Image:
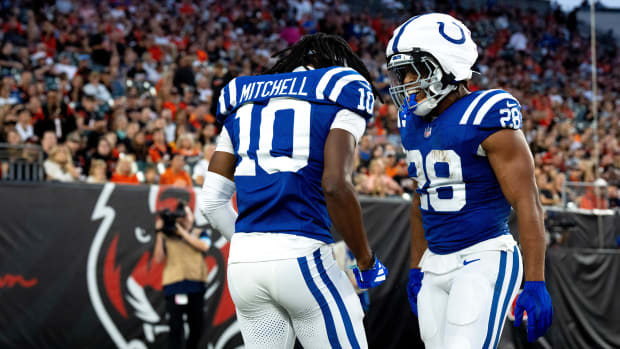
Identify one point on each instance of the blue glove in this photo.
(372, 277)
(413, 288)
(536, 301)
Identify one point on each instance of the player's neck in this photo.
(454, 96)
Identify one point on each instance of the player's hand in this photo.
(413, 288)
(159, 223)
(372, 277)
(536, 301)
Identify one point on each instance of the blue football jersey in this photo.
(460, 198)
(278, 125)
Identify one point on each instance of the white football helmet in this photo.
(438, 50)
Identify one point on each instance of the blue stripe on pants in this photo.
(327, 315)
(497, 291)
(341, 307)
(511, 285)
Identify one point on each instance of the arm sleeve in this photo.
(215, 203)
(224, 143)
(351, 122)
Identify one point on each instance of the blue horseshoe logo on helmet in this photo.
(454, 41)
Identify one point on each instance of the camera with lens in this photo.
(170, 219)
(558, 227)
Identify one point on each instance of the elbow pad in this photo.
(215, 203)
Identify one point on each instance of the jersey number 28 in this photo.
(437, 179)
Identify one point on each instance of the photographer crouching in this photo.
(185, 272)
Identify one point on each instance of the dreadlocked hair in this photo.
(320, 50)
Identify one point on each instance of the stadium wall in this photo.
(76, 272)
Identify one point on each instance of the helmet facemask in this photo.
(429, 78)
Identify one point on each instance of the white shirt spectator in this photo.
(25, 132)
(99, 91)
(518, 41)
(70, 70)
(56, 173)
(303, 7)
(200, 169)
(8, 100)
(169, 132)
(205, 94)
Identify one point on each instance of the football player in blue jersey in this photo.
(471, 163)
(287, 148)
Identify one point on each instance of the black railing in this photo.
(23, 163)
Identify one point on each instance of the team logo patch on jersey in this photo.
(427, 131)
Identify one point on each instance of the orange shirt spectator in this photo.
(159, 150)
(123, 173)
(119, 178)
(185, 146)
(175, 175)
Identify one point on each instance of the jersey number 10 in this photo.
(268, 162)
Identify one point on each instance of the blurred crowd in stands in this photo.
(125, 91)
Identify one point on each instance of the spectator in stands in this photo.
(139, 147)
(104, 152)
(176, 175)
(378, 183)
(86, 113)
(150, 175)
(364, 151)
(186, 146)
(95, 88)
(13, 137)
(24, 125)
(594, 197)
(59, 167)
(48, 141)
(66, 70)
(202, 166)
(75, 146)
(159, 150)
(97, 173)
(124, 171)
(56, 116)
(548, 195)
(613, 195)
(391, 162)
(209, 134)
(220, 78)
(6, 98)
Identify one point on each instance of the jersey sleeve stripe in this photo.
(482, 112)
(224, 142)
(320, 87)
(232, 87)
(221, 101)
(472, 106)
(343, 81)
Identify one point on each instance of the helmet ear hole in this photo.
(432, 103)
(437, 86)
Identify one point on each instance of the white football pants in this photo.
(308, 297)
(465, 308)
